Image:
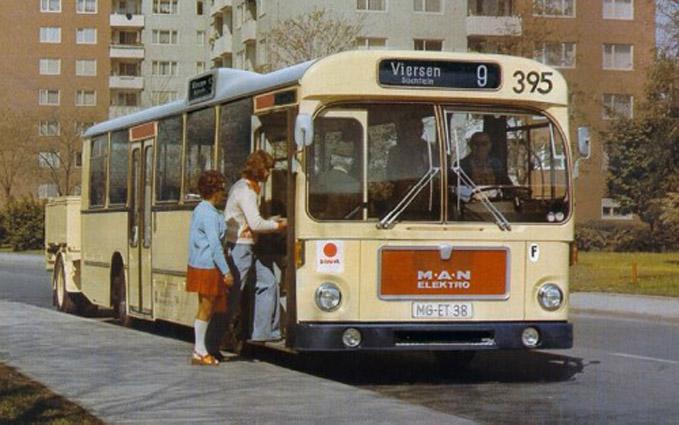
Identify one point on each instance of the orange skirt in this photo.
(205, 281)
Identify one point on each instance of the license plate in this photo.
(442, 311)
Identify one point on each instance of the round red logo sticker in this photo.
(330, 250)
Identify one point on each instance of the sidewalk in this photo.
(125, 376)
(632, 306)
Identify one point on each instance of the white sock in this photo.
(200, 328)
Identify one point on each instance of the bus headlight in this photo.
(550, 296)
(328, 297)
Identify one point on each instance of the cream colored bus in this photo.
(429, 196)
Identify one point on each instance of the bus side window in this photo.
(98, 158)
(234, 138)
(200, 140)
(117, 191)
(168, 159)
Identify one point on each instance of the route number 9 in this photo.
(534, 81)
(482, 75)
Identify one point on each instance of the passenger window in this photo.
(98, 157)
(200, 141)
(234, 143)
(118, 170)
(168, 162)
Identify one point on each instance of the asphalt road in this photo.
(620, 371)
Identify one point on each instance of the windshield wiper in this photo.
(500, 219)
(388, 221)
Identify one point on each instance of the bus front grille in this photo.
(449, 338)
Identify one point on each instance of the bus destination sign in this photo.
(202, 88)
(439, 74)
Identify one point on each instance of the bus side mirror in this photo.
(584, 143)
(304, 131)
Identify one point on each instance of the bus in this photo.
(429, 197)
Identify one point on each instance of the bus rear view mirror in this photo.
(584, 143)
(304, 131)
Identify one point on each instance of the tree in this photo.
(310, 36)
(668, 23)
(644, 151)
(18, 135)
(60, 155)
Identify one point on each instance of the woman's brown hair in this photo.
(256, 166)
(209, 182)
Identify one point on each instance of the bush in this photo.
(622, 237)
(24, 222)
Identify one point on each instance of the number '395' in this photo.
(533, 81)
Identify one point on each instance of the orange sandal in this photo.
(206, 360)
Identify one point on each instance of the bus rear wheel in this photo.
(63, 300)
(120, 300)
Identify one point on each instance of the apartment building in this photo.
(240, 27)
(602, 47)
(54, 66)
(156, 46)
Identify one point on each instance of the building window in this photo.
(86, 6)
(50, 5)
(367, 43)
(86, 67)
(431, 45)
(126, 99)
(618, 105)
(85, 98)
(618, 9)
(374, 5)
(490, 8)
(50, 66)
(200, 38)
(164, 68)
(561, 55)
(86, 36)
(81, 127)
(429, 6)
(199, 7)
(128, 69)
(50, 35)
(618, 56)
(49, 160)
(164, 37)
(554, 8)
(48, 97)
(48, 190)
(49, 128)
(610, 210)
(200, 67)
(161, 97)
(165, 7)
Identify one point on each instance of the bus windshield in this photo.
(386, 163)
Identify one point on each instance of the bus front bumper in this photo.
(432, 336)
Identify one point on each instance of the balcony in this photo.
(219, 6)
(127, 21)
(493, 26)
(119, 111)
(248, 32)
(126, 82)
(126, 51)
(222, 47)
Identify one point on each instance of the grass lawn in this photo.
(23, 401)
(658, 274)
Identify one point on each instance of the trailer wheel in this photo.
(120, 300)
(63, 300)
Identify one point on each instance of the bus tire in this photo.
(120, 300)
(451, 360)
(63, 300)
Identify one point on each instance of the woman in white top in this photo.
(244, 222)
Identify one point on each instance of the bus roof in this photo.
(231, 84)
(355, 74)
